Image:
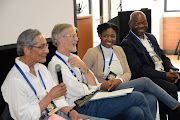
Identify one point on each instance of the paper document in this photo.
(103, 95)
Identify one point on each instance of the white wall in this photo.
(157, 20)
(19, 15)
(171, 14)
(96, 21)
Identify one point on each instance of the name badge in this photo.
(156, 59)
(111, 76)
(51, 108)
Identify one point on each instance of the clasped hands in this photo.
(172, 76)
(110, 84)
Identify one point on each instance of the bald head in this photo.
(136, 15)
(138, 23)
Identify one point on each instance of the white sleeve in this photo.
(20, 108)
(97, 83)
(74, 88)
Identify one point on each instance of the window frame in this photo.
(165, 8)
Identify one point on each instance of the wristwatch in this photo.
(86, 71)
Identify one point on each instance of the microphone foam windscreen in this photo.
(58, 67)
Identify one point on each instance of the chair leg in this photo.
(178, 52)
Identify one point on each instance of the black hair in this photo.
(104, 26)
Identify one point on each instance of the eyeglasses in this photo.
(42, 47)
(72, 36)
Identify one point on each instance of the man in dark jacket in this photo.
(146, 59)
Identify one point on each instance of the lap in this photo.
(137, 84)
(105, 108)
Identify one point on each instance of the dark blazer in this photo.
(139, 60)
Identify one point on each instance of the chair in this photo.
(6, 115)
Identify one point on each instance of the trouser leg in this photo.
(171, 89)
(145, 85)
(152, 102)
(138, 114)
(112, 107)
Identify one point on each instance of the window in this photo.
(172, 6)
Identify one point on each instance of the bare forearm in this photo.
(45, 102)
(65, 110)
(73, 114)
(90, 78)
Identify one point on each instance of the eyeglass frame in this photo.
(42, 46)
(72, 36)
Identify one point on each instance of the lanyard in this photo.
(68, 66)
(104, 58)
(140, 40)
(22, 73)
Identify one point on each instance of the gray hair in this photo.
(135, 13)
(26, 38)
(59, 29)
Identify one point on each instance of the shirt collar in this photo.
(105, 50)
(64, 56)
(25, 67)
(145, 37)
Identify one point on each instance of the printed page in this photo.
(103, 95)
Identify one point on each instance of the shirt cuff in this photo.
(60, 102)
(118, 77)
(97, 87)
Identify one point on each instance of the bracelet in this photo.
(69, 112)
(86, 71)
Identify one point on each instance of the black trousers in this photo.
(172, 90)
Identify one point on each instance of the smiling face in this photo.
(138, 24)
(39, 51)
(108, 37)
(68, 42)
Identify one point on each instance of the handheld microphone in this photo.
(59, 74)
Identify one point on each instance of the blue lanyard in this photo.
(68, 66)
(140, 40)
(104, 58)
(22, 73)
